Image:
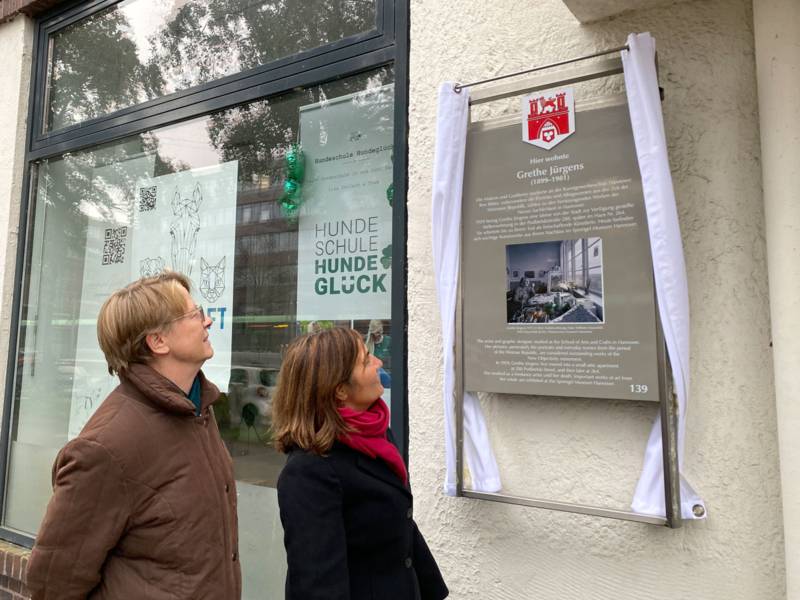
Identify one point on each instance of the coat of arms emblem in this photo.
(548, 117)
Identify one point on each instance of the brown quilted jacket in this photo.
(144, 503)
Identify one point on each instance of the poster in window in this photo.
(558, 295)
(183, 221)
(345, 223)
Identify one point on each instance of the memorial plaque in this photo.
(557, 280)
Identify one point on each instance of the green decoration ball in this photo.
(290, 189)
(386, 259)
(390, 194)
(295, 163)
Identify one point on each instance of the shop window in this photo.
(205, 98)
(104, 215)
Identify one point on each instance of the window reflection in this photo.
(139, 50)
(60, 370)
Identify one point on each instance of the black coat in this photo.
(349, 532)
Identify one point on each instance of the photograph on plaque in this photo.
(557, 282)
(556, 273)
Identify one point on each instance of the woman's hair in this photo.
(136, 310)
(304, 405)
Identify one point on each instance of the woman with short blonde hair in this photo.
(144, 501)
(132, 312)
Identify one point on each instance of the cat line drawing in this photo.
(212, 279)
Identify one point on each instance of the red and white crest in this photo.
(548, 117)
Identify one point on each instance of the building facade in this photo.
(103, 98)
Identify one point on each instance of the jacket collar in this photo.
(378, 469)
(164, 393)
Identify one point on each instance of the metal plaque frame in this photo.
(667, 399)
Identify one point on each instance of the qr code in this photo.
(114, 246)
(147, 198)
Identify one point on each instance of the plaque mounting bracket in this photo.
(460, 86)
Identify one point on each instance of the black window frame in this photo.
(387, 44)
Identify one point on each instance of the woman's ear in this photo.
(156, 343)
(342, 392)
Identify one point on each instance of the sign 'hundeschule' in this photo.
(345, 225)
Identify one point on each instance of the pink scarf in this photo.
(369, 436)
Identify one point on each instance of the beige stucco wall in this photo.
(16, 43)
(777, 40)
(591, 451)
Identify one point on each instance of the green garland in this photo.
(292, 198)
(390, 189)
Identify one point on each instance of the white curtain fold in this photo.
(448, 179)
(669, 268)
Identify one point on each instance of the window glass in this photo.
(209, 197)
(138, 50)
(595, 268)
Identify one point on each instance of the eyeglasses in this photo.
(197, 310)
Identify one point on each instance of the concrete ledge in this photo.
(11, 8)
(594, 10)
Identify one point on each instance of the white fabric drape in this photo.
(669, 268)
(448, 179)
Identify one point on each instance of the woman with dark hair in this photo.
(344, 499)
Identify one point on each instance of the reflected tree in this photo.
(103, 63)
(209, 39)
(95, 69)
(258, 134)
